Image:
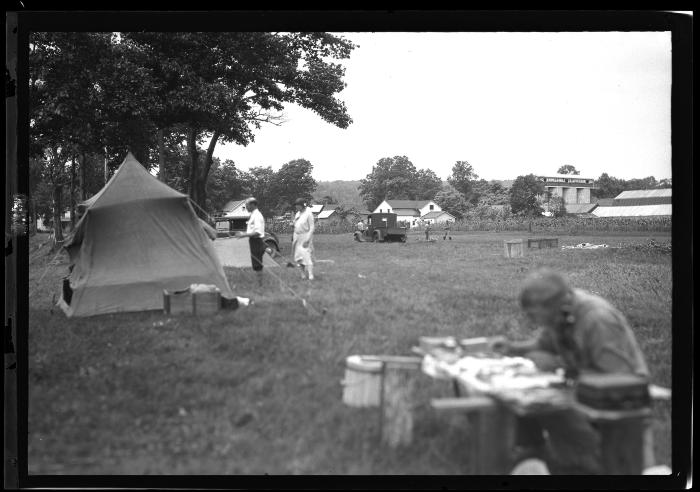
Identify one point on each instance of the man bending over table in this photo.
(582, 333)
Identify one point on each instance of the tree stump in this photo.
(513, 248)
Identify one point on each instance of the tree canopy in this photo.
(462, 179)
(567, 169)
(397, 178)
(524, 193)
(108, 93)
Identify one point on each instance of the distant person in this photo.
(427, 231)
(302, 239)
(581, 333)
(448, 231)
(360, 231)
(255, 231)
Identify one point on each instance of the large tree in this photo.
(225, 184)
(222, 86)
(292, 181)
(524, 193)
(108, 93)
(397, 178)
(452, 201)
(463, 178)
(608, 186)
(489, 193)
(427, 184)
(567, 169)
(260, 182)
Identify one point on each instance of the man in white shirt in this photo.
(255, 231)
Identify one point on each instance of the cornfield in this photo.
(547, 225)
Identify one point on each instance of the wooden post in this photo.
(513, 249)
(397, 403)
(491, 432)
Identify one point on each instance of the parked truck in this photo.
(382, 227)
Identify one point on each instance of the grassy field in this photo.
(257, 390)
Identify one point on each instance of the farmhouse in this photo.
(436, 217)
(574, 189)
(410, 211)
(638, 203)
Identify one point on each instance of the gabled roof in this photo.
(605, 202)
(406, 211)
(233, 205)
(435, 214)
(408, 203)
(233, 210)
(316, 208)
(663, 192)
(330, 206)
(324, 214)
(635, 211)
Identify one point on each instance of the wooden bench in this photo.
(492, 433)
(542, 242)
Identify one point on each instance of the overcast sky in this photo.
(509, 103)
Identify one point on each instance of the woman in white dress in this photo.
(302, 242)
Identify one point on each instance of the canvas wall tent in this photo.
(137, 237)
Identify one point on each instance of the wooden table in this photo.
(492, 422)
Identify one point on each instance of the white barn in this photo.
(638, 203)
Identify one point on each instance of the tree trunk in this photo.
(204, 175)
(57, 209)
(83, 177)
(34, 215)
(161, 156)
(193, 187)
(71, 199)
(106, 167)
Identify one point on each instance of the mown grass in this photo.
(257, 390)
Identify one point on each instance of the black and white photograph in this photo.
(367, 249)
